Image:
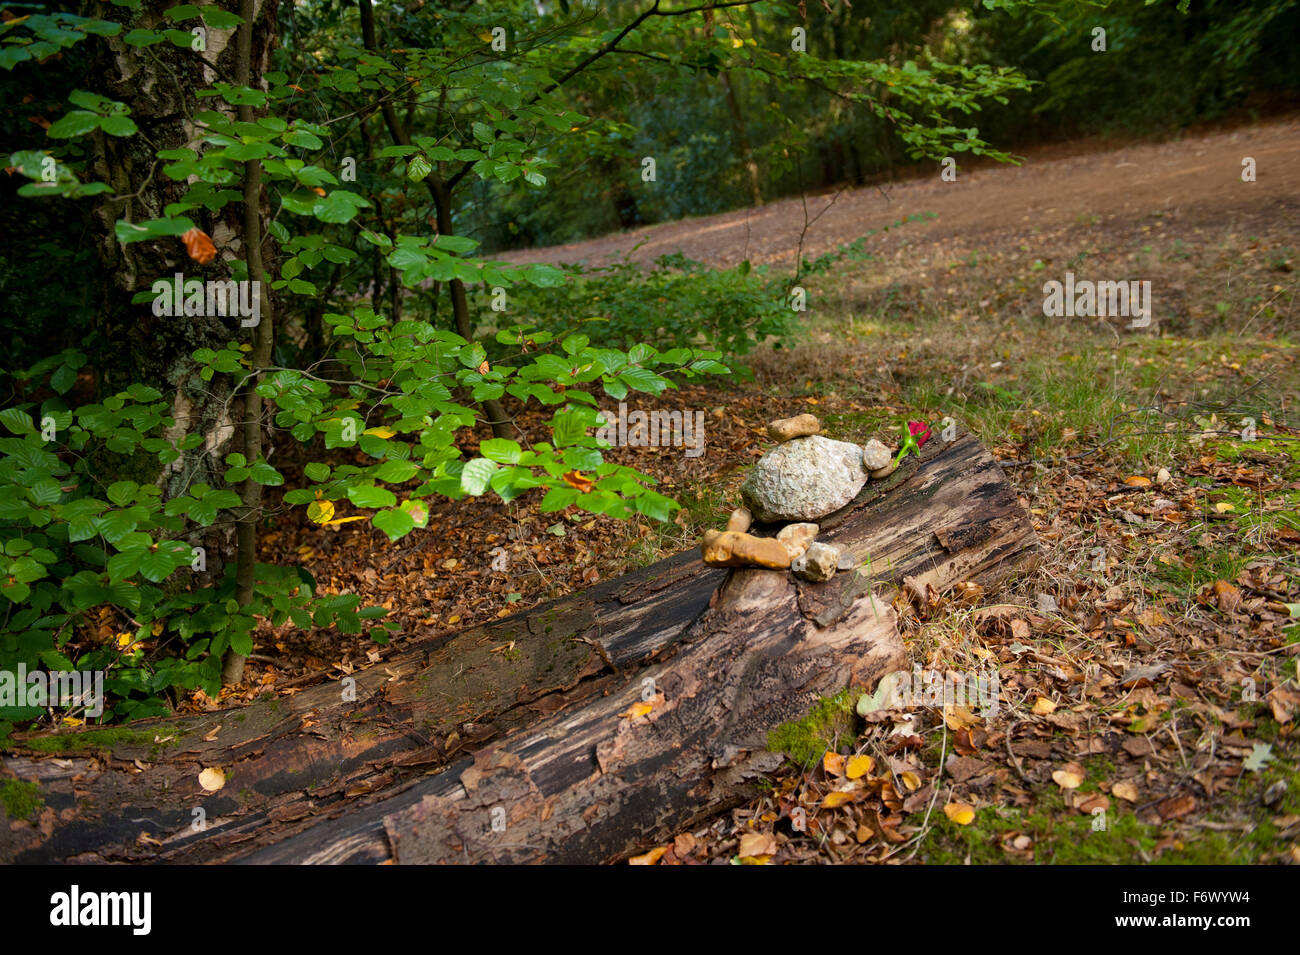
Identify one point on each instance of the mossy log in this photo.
(456, 750)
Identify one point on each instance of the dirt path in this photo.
(1194, 178)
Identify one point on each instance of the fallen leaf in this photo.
(859, 766)
(1137, 480)
(1176, 806)
(650, 858)
(1095, 801)
(959, 718)
(1125, 790)
(1261, 754)
(754, 844)
(833, 764)
(640, 708)
(1227, 596)
(959, 813)
(1043, 706)
(835, 799)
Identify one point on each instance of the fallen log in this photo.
(321, 777)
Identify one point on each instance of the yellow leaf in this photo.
(640, 708)
(911, 781)
(320, 511)
(859, 766)
(1223, 507)
(345, 520)
(835, 799)
(959, 718)
(959, 813)
(1043, 706)
(650, 858)
(380, 432)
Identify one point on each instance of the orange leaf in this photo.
(318, 190)
(650, 858)
(836, 799)
(833, 763)
(483, 368)
(199, 246)
(575, 480)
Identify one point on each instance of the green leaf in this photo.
(264, 474)
(395, 472)
(153, 229)
(501, 450)
(395, 523)
(118, 125)
(77, 123)
(418, 168)
(339, 206)
(367, 495)
(477, 474)
(122, 493)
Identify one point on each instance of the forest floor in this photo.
(1147, 667)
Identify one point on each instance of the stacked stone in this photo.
(805, 477)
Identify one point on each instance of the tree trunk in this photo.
(159, 83)
(332, 775)
(248, 72)
(742, 141)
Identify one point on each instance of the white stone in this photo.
(804, 479)
(875, 455)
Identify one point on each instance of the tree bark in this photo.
(248, 72)
(159, 84)
(329, 776)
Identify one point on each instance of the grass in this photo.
(1084, 399)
